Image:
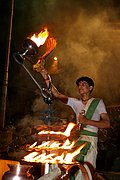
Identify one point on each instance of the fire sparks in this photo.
(41, 37)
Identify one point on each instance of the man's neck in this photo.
(85, 98)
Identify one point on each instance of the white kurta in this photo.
(78, 107)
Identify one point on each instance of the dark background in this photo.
(88, 43)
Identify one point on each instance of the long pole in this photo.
(5, 80)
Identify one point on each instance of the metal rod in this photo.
(45, 92)
(46, 95)
(32, 76)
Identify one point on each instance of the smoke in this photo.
(92, 50)
(88, 43)
(90, 46)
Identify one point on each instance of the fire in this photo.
(54, 152)
(70, 156)
(66, 133)
(30, 156)
(68, 145)
(69, 128)
(51, 145)
(41, 37)
(63, 158)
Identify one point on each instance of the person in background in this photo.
(90, 113)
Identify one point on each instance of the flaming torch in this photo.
(31, 45)
(31, 48)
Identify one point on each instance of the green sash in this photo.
(89, 114)
(82, 154)
(92, 108)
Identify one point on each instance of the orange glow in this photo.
(54, 152)
(66, 133)
(52, 145)
(70, 156)
(55, 58)
(41, 37)
(69, 128)
(30, 156)
(68, 144)
(63, 158)
(33, 145)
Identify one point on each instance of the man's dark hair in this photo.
(86, 79)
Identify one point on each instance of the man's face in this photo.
(84, 87)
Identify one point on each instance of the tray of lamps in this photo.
(56, 132)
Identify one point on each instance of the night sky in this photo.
(88, 43)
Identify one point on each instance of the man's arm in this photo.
(103, 123)
(54, 90)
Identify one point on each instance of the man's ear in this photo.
(91, 88)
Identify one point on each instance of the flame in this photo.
(63, 158)
(30, 156)
(70, 156)
(51, 145)
(33, 145)
(41, 37)
(54, 152)
(68, 145)
(66, 133)
(69, 128)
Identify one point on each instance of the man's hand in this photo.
(82, 119)
(39, 65)
(45, 74)
(50, 45)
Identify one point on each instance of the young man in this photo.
(90, 113)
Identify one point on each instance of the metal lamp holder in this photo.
(31, 49)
